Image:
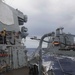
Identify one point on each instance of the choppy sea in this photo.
(30, 50)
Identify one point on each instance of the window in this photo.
(20, 21)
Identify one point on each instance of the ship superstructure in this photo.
(58, 57)
(12, 50)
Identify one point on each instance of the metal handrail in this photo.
(40, 51)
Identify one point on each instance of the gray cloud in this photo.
(46, 15)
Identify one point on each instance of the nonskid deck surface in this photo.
(22, 71)
(62, 66)
(66, 66)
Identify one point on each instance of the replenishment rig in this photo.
(58, 58)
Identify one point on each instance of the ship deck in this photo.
(21, 71)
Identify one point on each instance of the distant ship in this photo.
(58, 57)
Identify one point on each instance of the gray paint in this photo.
(15, 26)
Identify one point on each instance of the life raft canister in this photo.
(56, 43)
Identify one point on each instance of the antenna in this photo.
(61, 28)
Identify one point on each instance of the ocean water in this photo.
(31, 50)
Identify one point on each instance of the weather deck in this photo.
(22, 71)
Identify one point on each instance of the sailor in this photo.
(3, 33)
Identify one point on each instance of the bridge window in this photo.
(20, 21)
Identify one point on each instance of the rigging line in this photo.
(60, 65)
(62, 68)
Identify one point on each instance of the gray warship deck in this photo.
(21, 71)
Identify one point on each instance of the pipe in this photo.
(39, 40)
(40, 51)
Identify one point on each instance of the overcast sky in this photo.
(45, 16)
